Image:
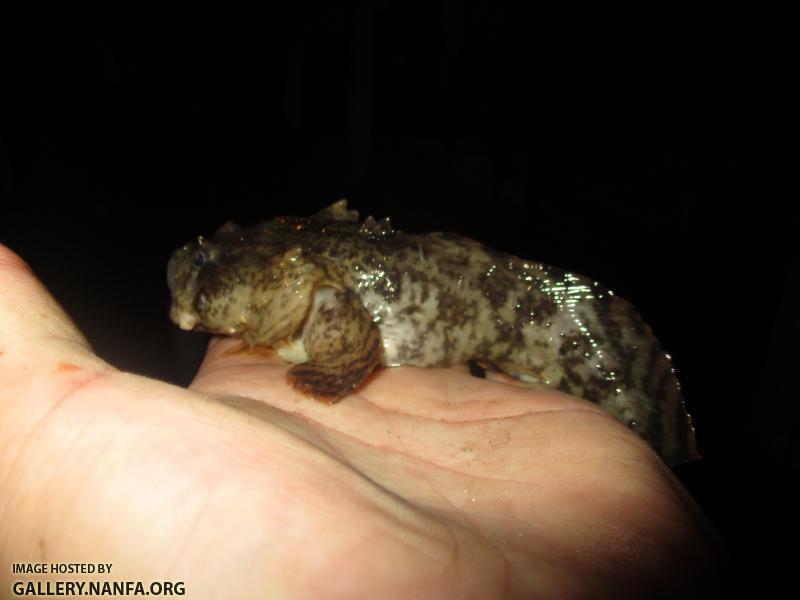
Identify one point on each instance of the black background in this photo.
(634, 146)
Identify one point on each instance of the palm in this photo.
(438, 481)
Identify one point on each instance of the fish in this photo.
(338, 297)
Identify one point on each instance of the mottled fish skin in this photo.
(436, 299)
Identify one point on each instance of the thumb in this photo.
(35, 332)
(43, 357)
(42, 354)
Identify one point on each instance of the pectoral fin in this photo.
(343, 345)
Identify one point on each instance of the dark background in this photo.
(633, 146)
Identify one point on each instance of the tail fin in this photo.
(621, 366)
(644, 393)
(663, 419)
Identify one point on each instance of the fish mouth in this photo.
(187, 321)
(183, 319)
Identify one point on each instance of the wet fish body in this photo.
(338, 297)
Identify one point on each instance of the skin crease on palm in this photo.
(427, 483)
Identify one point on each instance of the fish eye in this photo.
(199, 259)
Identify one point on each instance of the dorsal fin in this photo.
(337, 212)
(383, 228)
(228, 227)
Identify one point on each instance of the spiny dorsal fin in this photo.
(383, 228)
(337, 212)
(228, 227)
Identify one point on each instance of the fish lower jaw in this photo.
(187, 321)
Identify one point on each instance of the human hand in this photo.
(427, 483)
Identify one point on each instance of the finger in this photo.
(222, 348)
(450, 394)
(230, 359)
(453, 394)
(231, 368)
